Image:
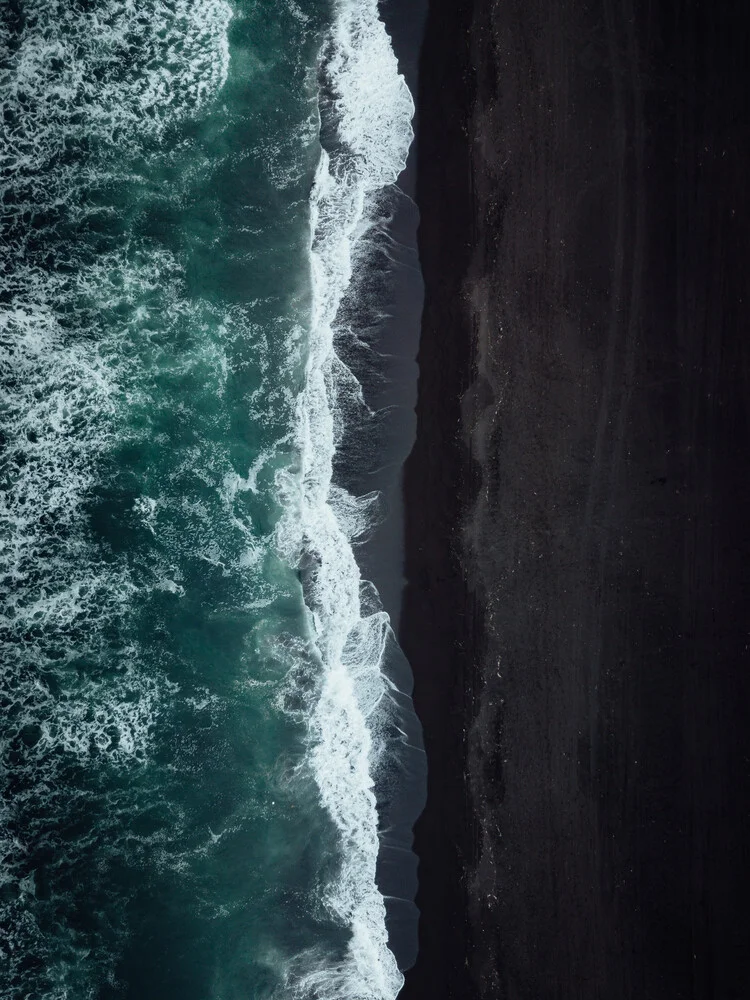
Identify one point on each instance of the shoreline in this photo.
(390, 312)
(576, 529)
(393, 392)
(359, 730)
(435, 628)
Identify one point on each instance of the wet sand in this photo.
(577, 611)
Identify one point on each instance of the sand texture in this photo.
(577, 612)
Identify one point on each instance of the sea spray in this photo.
(366, 111)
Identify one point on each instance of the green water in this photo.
(162, 832)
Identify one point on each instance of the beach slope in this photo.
(577, 613)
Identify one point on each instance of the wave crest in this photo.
(366, 111)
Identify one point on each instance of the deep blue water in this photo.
(194, 715)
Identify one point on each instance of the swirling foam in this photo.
(367, 107)
(86, 89)
(86, 86)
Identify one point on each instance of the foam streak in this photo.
(368, 107)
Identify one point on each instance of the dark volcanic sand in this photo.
(577, 613)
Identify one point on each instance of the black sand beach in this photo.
(577, 611)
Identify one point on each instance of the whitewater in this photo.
(368, 110)
(169, 497)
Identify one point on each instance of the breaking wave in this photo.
(365, 114)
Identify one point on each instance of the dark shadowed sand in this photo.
(577, 612)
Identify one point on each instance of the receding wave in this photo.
(366, 111)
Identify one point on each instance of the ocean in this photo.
(204, 746)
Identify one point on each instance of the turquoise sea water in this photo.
(193, 709)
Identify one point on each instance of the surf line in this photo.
(365, 111)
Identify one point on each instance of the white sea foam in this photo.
(366, 105)
(83, 86)
(104, 81)
(117, 71)
(60, 595)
